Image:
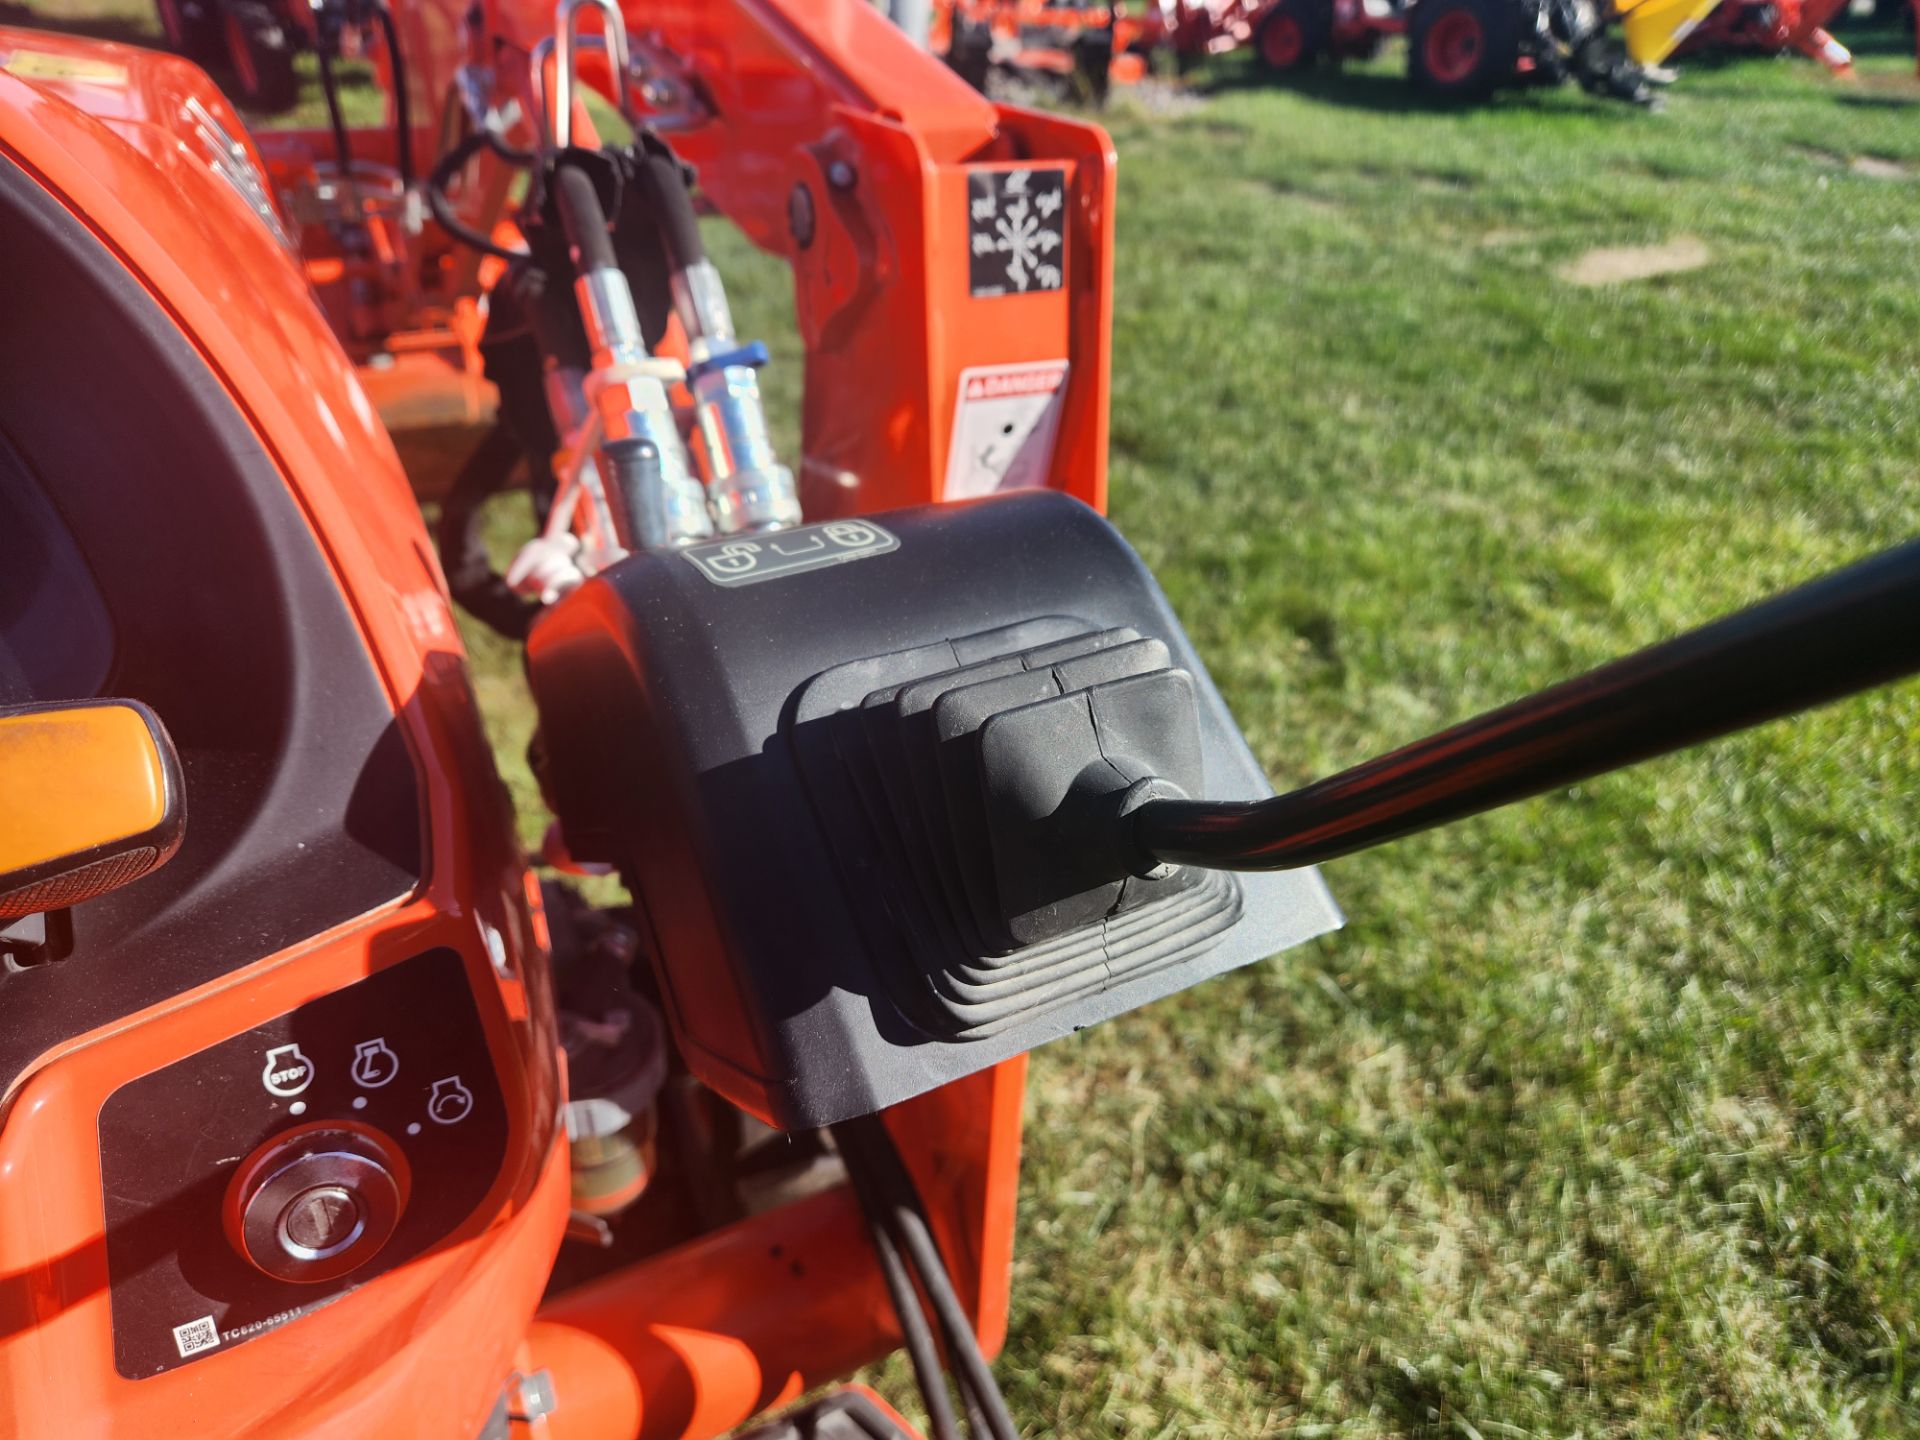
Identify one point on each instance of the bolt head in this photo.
(800, 216)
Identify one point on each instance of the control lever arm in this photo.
(1849, 631)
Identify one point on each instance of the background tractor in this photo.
(1467, 49)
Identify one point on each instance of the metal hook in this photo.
(566, 18)
(537, 78)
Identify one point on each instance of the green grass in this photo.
(1600, 1117)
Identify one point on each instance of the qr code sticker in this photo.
(196, 1335)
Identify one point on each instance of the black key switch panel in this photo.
(329, 1145)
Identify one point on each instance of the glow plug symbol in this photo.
(374, 1064)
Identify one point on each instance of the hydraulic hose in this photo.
(584, 219)
(749, 489)
(698, 293)
(450, 165)
(886, 1192)
(476, 586)
(497, 143)
(336, 118)
(402, 106)
(666, 192)
(1846, 632)
(921, 1351)
(653, 494)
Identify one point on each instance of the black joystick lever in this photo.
(1852, 630)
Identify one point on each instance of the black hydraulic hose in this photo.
(869, 1151)
(910, 1230)
(402, 105)
(342, 147)
(476, 586)
(921, 1352)
(665, 187)
(450, 165)
(497, 143)
(583, 218)
(1848, 631)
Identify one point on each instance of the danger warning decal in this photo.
(1016, 231)
(1004, 427)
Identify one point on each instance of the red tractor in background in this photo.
(1456, 49)
(1774, 26)
(1465, 49)
(253, 41)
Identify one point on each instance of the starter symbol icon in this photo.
(451, 1101)
(374, 1064)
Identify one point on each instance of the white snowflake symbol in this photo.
(1021, 238)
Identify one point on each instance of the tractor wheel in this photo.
(192, 28)
(1462, 49)
(1292, 36)
(260, 50)
(970, 52)
(1093, 66)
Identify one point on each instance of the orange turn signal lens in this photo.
(89, 800)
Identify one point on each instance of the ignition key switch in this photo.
(317, 1202)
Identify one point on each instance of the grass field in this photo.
(1600, 1118)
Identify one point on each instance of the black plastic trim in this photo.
(305, 807)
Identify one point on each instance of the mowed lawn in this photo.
(1600, 1117)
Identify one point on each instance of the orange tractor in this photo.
(321, 1113)
(1085, 46)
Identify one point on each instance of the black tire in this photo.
(970, 52)
(260, 48)
(1462, 50)
(1292, 36)
(1093, 65)
(192, 28)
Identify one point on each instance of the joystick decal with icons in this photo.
(735, 562)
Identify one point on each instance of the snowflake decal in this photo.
(1016, 231)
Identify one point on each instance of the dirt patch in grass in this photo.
(1618, 265)
(1884, 89)
(1876, 167)
(1504, 239)
(1873, 167)
(1828, 159)
(1291, 194)
(1156, 95)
